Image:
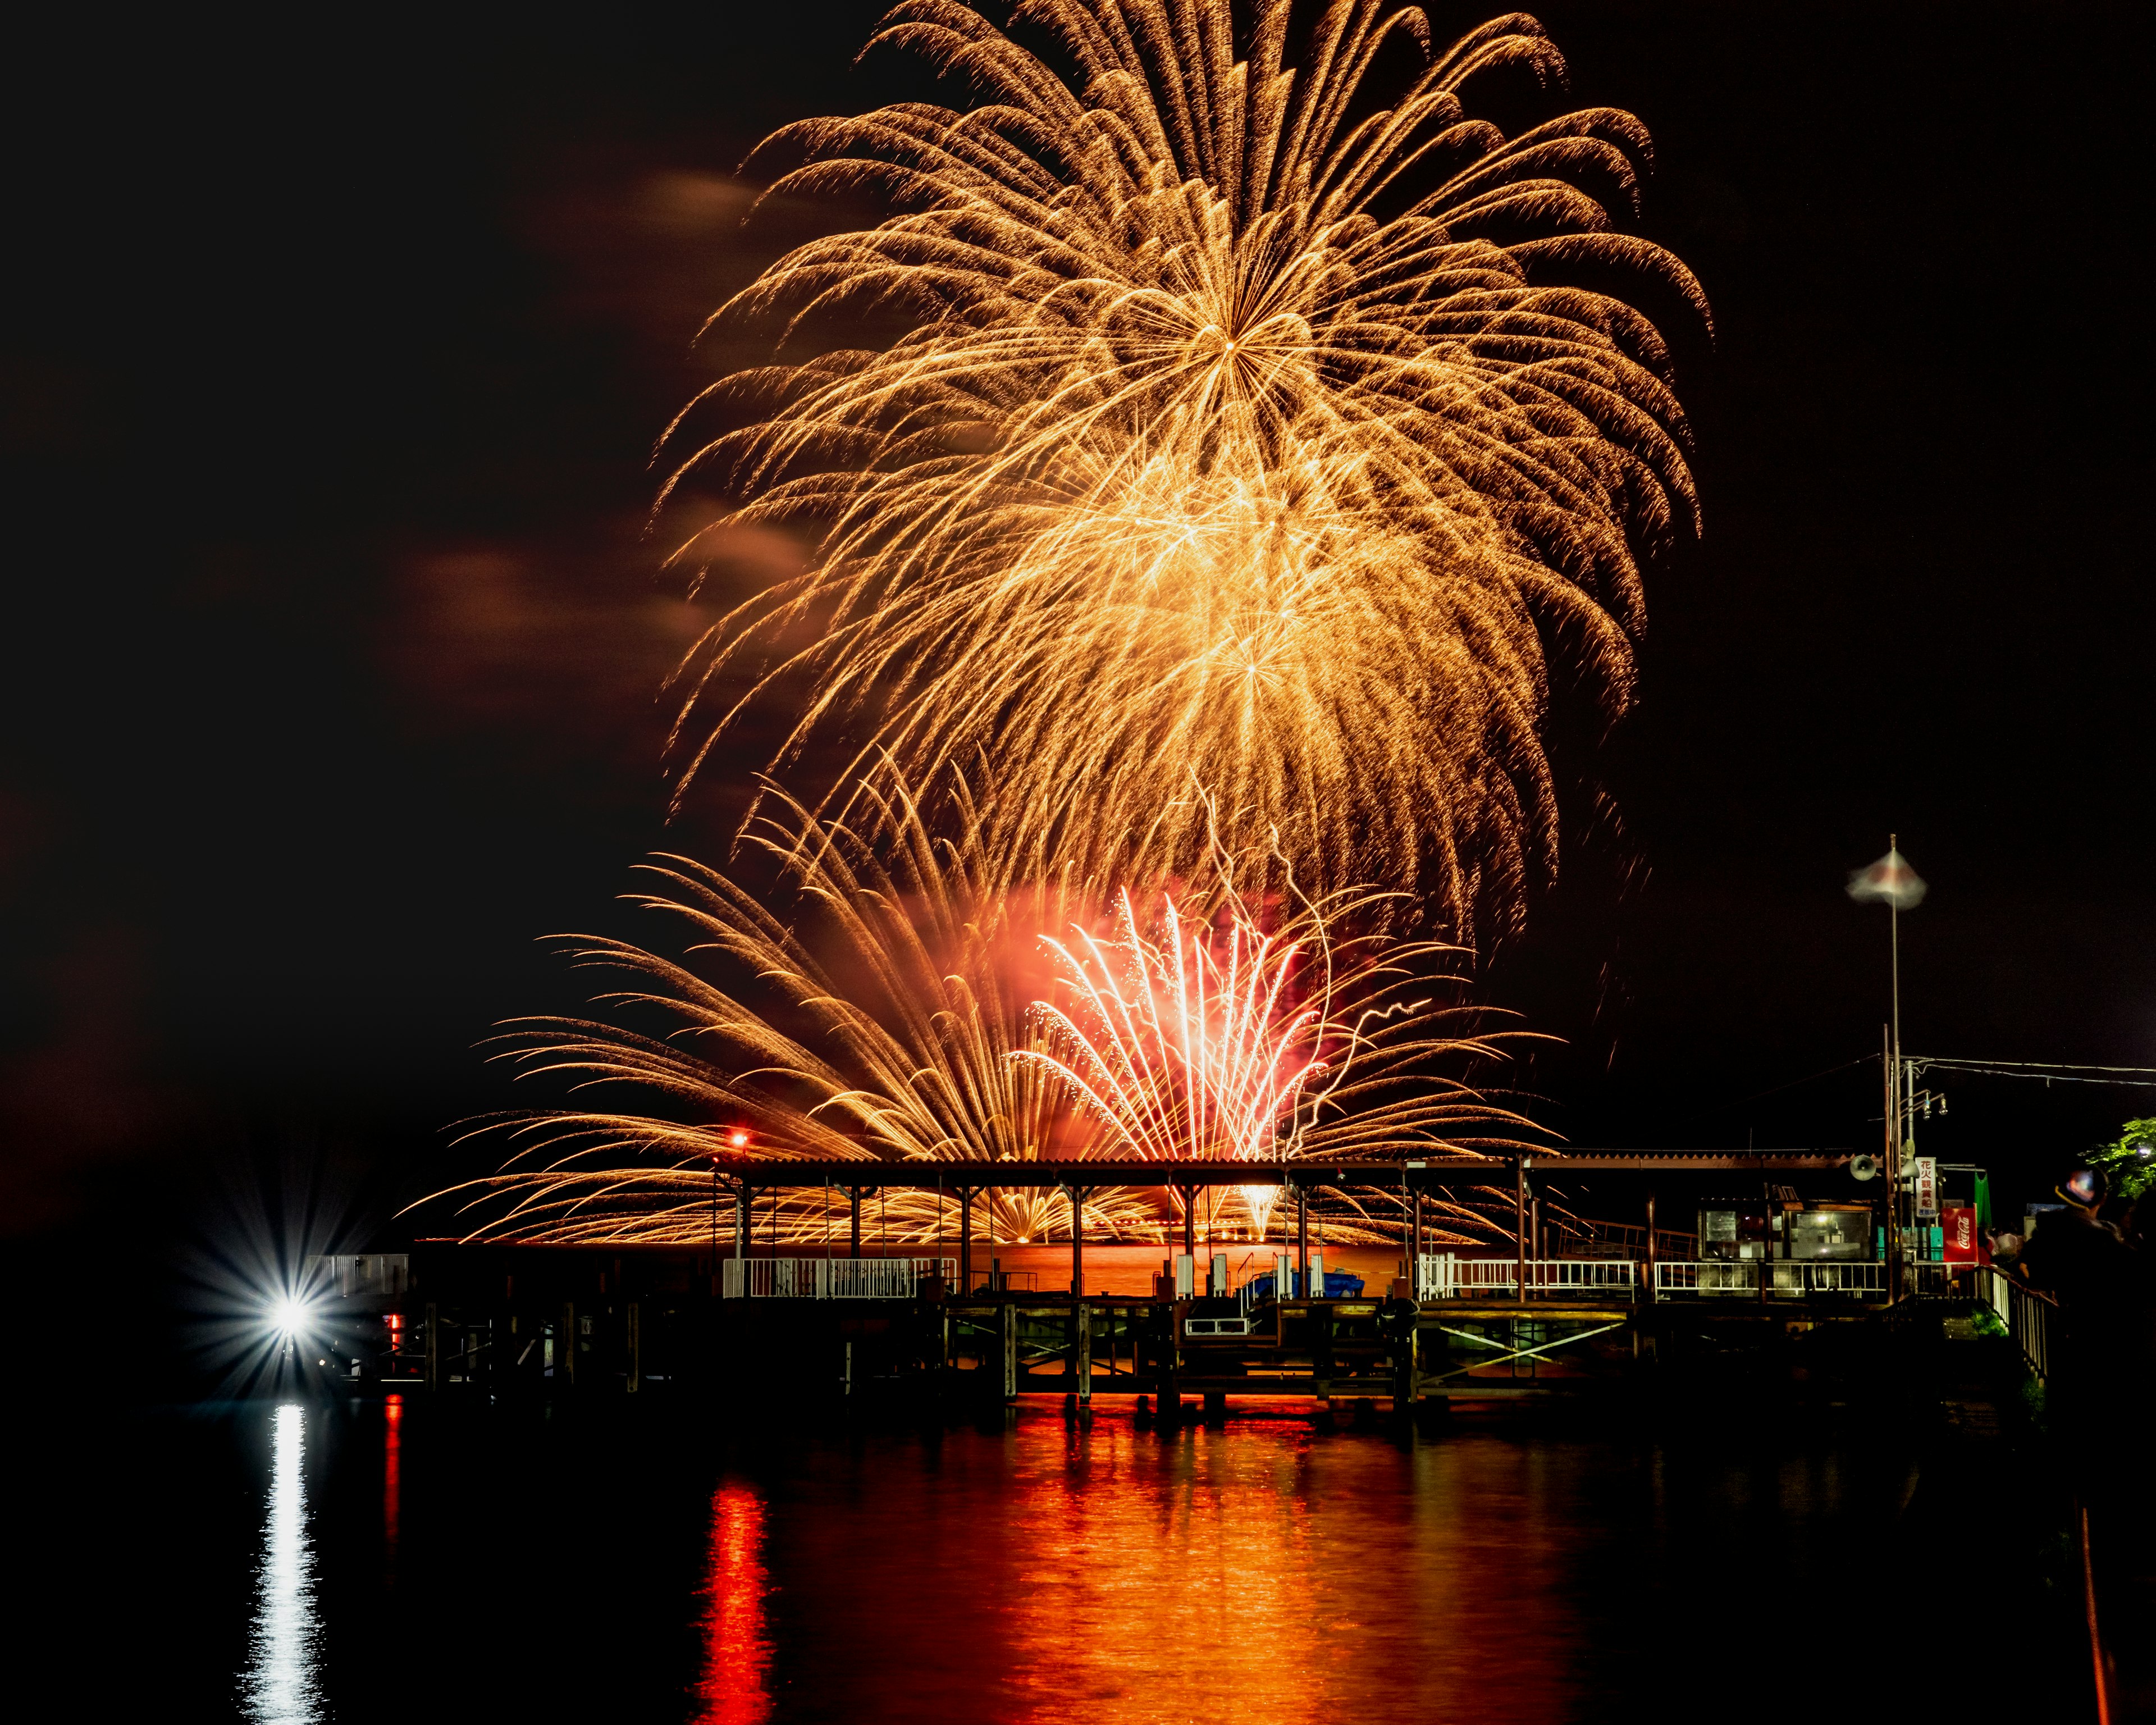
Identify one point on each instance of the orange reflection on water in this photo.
(737, 1641)
(1260, 1569)
(1163, 1592)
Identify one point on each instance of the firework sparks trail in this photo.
(1221, 1038)
(880, 1028)
(1243, 426)
(899, 1021)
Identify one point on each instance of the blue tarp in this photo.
(1339, 1285)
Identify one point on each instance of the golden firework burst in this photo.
(1243, 426)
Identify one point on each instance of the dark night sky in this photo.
(332, 648)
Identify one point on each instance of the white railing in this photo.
(1995, 1288)
(1585, 1238)
(830, 1278)
(2027, 1313)
(1444, 1276)
(1927, 1275)
(1791, 1279)
(385, 1274)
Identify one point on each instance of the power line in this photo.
(2050, 1072)
(2027, 1066)
(1776, 1089)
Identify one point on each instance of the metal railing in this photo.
(1790, 1279)
(384, 1274)
(1444, 1276)
(830, 1278)
(2028, 1315)
(1927, 1277)
(1583, 1236)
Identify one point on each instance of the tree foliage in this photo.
(2130, 1161)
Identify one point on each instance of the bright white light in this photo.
(282, 1683)
(289, 1315)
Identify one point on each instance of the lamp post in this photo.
(1892, 880)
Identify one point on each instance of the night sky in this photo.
(333, 642)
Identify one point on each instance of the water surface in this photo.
(306, 1561)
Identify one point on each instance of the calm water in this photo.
(414, 1561)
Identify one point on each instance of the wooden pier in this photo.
(728, 1320)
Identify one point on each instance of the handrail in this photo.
(1629, 1238)
(1790, 1278)
(2028, 1313)
(1445, 1276)
(830, 1278)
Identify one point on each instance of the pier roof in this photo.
(952, 1176)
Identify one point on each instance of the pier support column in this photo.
(1407, 1374)
(1167, 1386)
(634, 1337)
(1302, 1240)
(966, 1195)
(854, 1206)
(1082, 1331)
(1007, 1316)
(434, 1348)
(1190, 1222)
(1649, 1292)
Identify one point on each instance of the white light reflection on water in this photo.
(283, 1683)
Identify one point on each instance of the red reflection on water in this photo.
(736, 1645)
(393, 1473)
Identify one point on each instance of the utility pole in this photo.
(1892, 1128)
(1899, 1087)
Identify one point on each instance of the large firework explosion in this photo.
(1242, 426)
(909, 1012)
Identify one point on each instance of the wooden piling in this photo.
(634, 1336)
(1649, 1293)
(1082, 1334)
(434, 1348)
